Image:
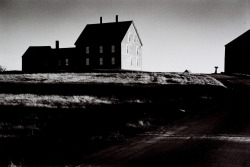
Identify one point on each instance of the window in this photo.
(66, 62)
(131, 61)
(87, 61)
(101, 49)
(137, 61)
(101, 61)
(87, 50)
(59, 62)
(113, 61)
(113, 48)
(137, 50)
(126, 48)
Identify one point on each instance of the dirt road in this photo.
(220, 138)
(201, 142)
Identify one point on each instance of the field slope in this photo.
(80, 89)
(125, 78)
(57, 119)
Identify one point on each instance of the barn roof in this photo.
(105, 32)
(243, 37)
(37, 50)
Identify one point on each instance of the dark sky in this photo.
(177, 34)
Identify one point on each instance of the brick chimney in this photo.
(57, 44)
(116, 18)
(100, 20)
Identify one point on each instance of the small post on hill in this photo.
(216, 67)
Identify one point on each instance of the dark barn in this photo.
(114, 45)
(237, 55)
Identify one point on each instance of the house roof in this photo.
(37, 50)
(105, 32)
(48, 51)
(243, 37)
(64, 52)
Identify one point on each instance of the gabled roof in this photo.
(243, 37)
(37, 50)
(105, 32)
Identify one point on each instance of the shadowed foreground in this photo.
(218, 138)
(207, 141)
(125, 124)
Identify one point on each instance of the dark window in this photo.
(113, 48)
(87, 61)
(87, 50)
(101, 61)
(66, 62)
(113, 61)
(101, 49)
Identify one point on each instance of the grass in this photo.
(52, 101)
(123, 78)
(76, 90)
(57, 119)
(36, 136)
(60, 101)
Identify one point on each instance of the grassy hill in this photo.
(80, 89)
(56, 119)
(124, 78)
